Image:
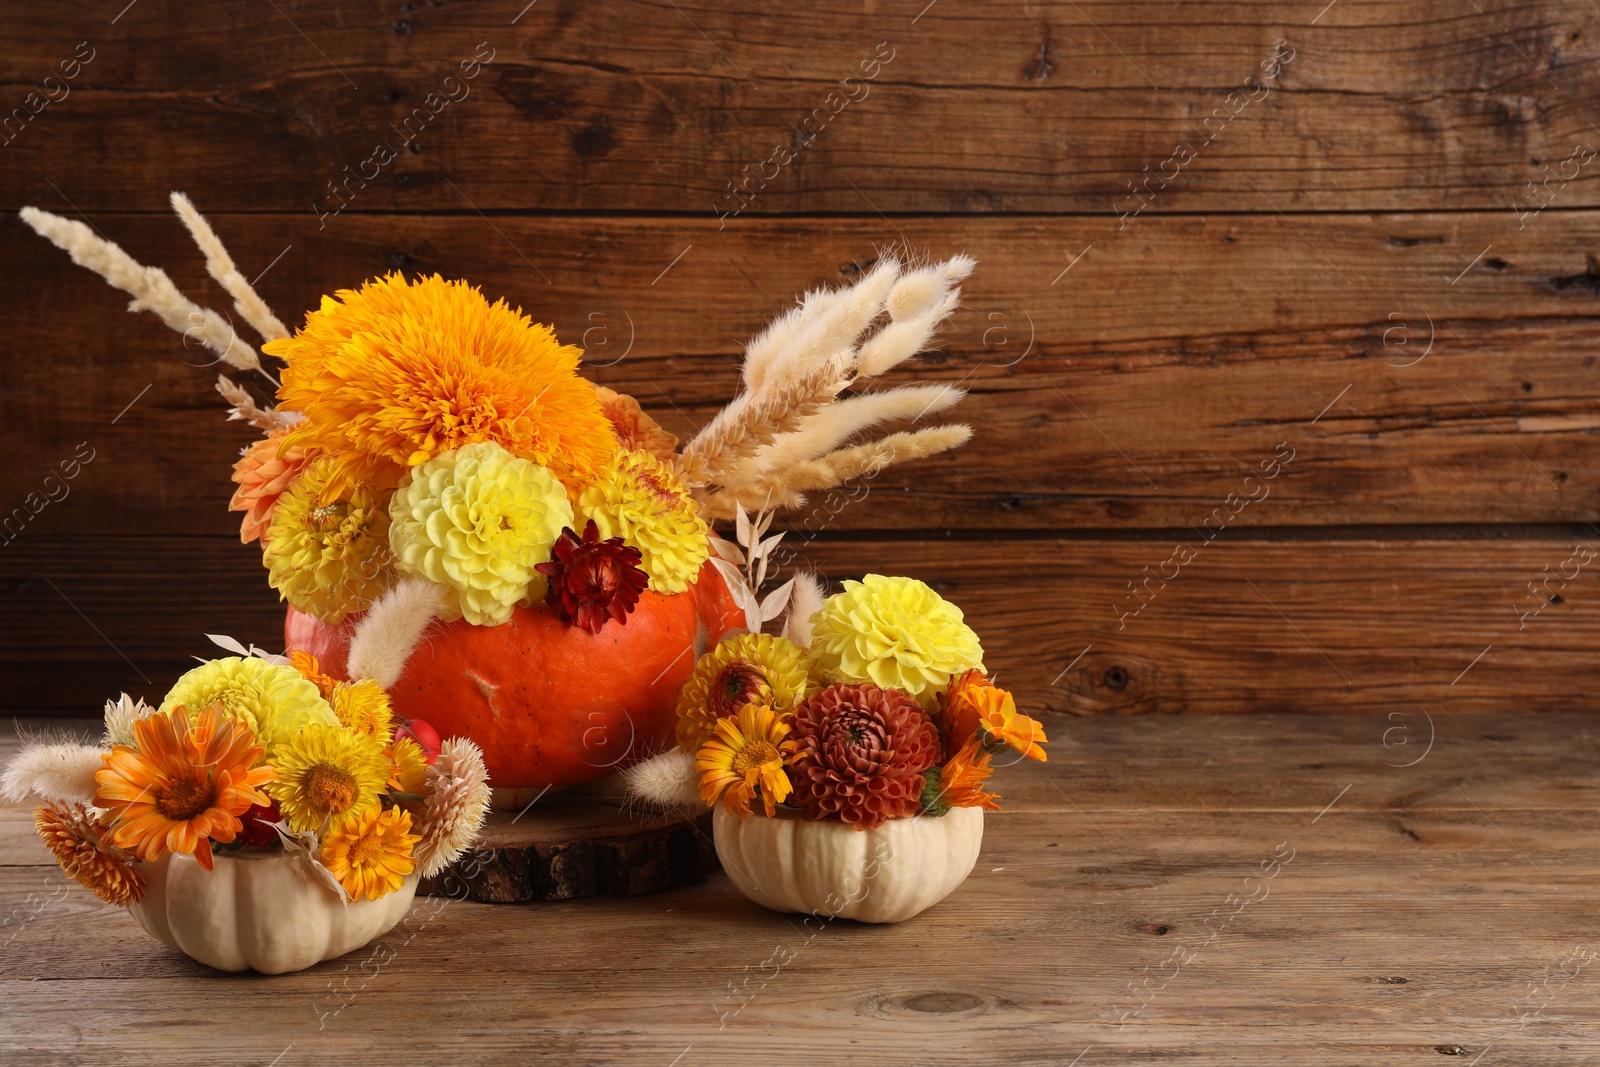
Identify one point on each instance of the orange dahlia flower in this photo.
(636, 431)
(185, 785)
(263, 473)
(398, 372)
(973, 707)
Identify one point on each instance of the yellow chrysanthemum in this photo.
(408, 767)
(639, 499)
(327, 772)
(327, 557)
(745, 760)
(895, 633)
(744, 669)
(272, 699)
(363, 707)
(478, 521)
(398, 372)
(371, 852)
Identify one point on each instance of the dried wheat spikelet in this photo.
(243, 407)
(789, 432)
(150, 288)
(246, 302)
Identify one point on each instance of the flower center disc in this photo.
(753, 756)
(364, 850)
(330, 789)
(184, 798)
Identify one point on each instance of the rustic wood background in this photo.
(1383, 266)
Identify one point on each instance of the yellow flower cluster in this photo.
(328, 558)
(639, 499)
(479, 521)
(894, 633)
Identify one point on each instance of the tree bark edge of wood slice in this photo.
(577, 847)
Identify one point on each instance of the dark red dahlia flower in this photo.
(254, 832)
(593, 580)
(861, 754)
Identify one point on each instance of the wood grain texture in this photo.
(1308, 625)
(1407, 399)
(647, 106)
(1425, 910)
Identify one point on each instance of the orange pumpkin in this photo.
(549, 703)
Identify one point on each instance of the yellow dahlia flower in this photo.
(398, 372)
(327, 772)
(363, 707)
(273, 700)
(744, 669)
(894, 633)
(478, 521)
(639, 499)
(371, 852)
(327, 558)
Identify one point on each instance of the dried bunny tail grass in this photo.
(804, 603)
(62, 772)
(150, 288)
(827, 322)
(244, 407)
(864, 461)
(839, 422)
(245, 300)
(664, 781)
(753, 421)
(392, 628)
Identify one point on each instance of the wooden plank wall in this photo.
(1280, 347)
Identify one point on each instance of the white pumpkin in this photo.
(826, 868)
(259, 910)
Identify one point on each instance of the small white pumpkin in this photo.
(259, 910)
(827, 868)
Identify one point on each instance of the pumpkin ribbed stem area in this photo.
(331, 788)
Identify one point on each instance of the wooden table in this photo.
(1127, 908)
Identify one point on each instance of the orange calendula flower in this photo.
(973, 707)
(745, 757)
(398, 372)
(371, 852)
(185, 785)
(263, 473)
(311, 671)
(364, 707)
(408, 767)
(80, 840)
(959, 782)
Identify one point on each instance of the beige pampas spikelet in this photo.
(804, 603)
(246, 302)
(243, 407)
(826, 322)
(150, 288)
(753, 420)
(838, 422)
(864, 461)
(391, 629)
(62, 772)
(665, 780)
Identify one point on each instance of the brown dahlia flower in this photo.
(593, 581)
(861, 754)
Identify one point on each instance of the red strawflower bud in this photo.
(254, 832)
(593, 580)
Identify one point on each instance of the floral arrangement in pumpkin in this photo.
(429, 441)
(255, 752)
(872, 705)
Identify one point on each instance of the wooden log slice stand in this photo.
(578, 844)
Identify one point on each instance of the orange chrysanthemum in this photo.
(79, 838)
(636, 430)
(263, 473)
(744, 760)
(398, 372)
(973, 707)
(311, 671)
(959, 782)
(185, 785)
